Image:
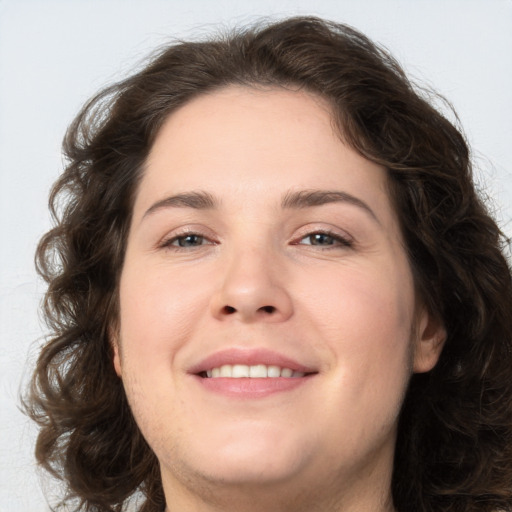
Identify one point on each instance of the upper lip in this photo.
(248, 357)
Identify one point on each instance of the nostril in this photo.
(230, 310)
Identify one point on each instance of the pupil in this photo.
(190, 240)
(321, 239)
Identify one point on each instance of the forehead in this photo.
(241, 143)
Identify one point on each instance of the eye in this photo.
(188, 240)
(325, 239)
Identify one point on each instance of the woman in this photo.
(272, 286)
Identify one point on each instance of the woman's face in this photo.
(261, 246)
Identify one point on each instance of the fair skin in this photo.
(231, 259)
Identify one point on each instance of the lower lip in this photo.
(251, 388)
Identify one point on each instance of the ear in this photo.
(114, 341)
(430, 338)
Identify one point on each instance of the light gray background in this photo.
(56, 54)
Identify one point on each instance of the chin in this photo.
(248, 457)
(250, 473)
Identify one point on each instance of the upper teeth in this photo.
(255, 371)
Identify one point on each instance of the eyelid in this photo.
(344, 239)
(166, 241)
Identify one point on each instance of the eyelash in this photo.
(337, 241)
(170, 242)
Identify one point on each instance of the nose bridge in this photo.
(253, 286)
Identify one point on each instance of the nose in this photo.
(253, 289)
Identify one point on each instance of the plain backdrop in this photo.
(56, 54)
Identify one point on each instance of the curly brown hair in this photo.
(454, 445)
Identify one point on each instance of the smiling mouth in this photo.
(242, 375)
(258, 371)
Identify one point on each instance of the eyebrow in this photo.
(291, 200)
(196, 200)
(311, 198)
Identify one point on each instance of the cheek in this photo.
(361, 299)
(365, 321)
(159, 311)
